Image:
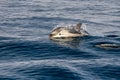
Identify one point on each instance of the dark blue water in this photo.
(27, 53)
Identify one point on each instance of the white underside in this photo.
(65, 33)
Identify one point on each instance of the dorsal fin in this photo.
(78, 27)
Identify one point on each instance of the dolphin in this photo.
(68, 32)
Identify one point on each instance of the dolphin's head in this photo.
(56, 32)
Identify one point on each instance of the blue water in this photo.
(27, 53)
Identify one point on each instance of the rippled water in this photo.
(27, 53)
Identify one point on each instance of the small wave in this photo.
(19, 66)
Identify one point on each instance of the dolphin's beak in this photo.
(51, 35)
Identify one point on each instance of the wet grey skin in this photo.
(66, 32)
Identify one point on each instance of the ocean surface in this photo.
(27, 53)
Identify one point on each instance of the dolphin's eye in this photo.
(59, 33)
